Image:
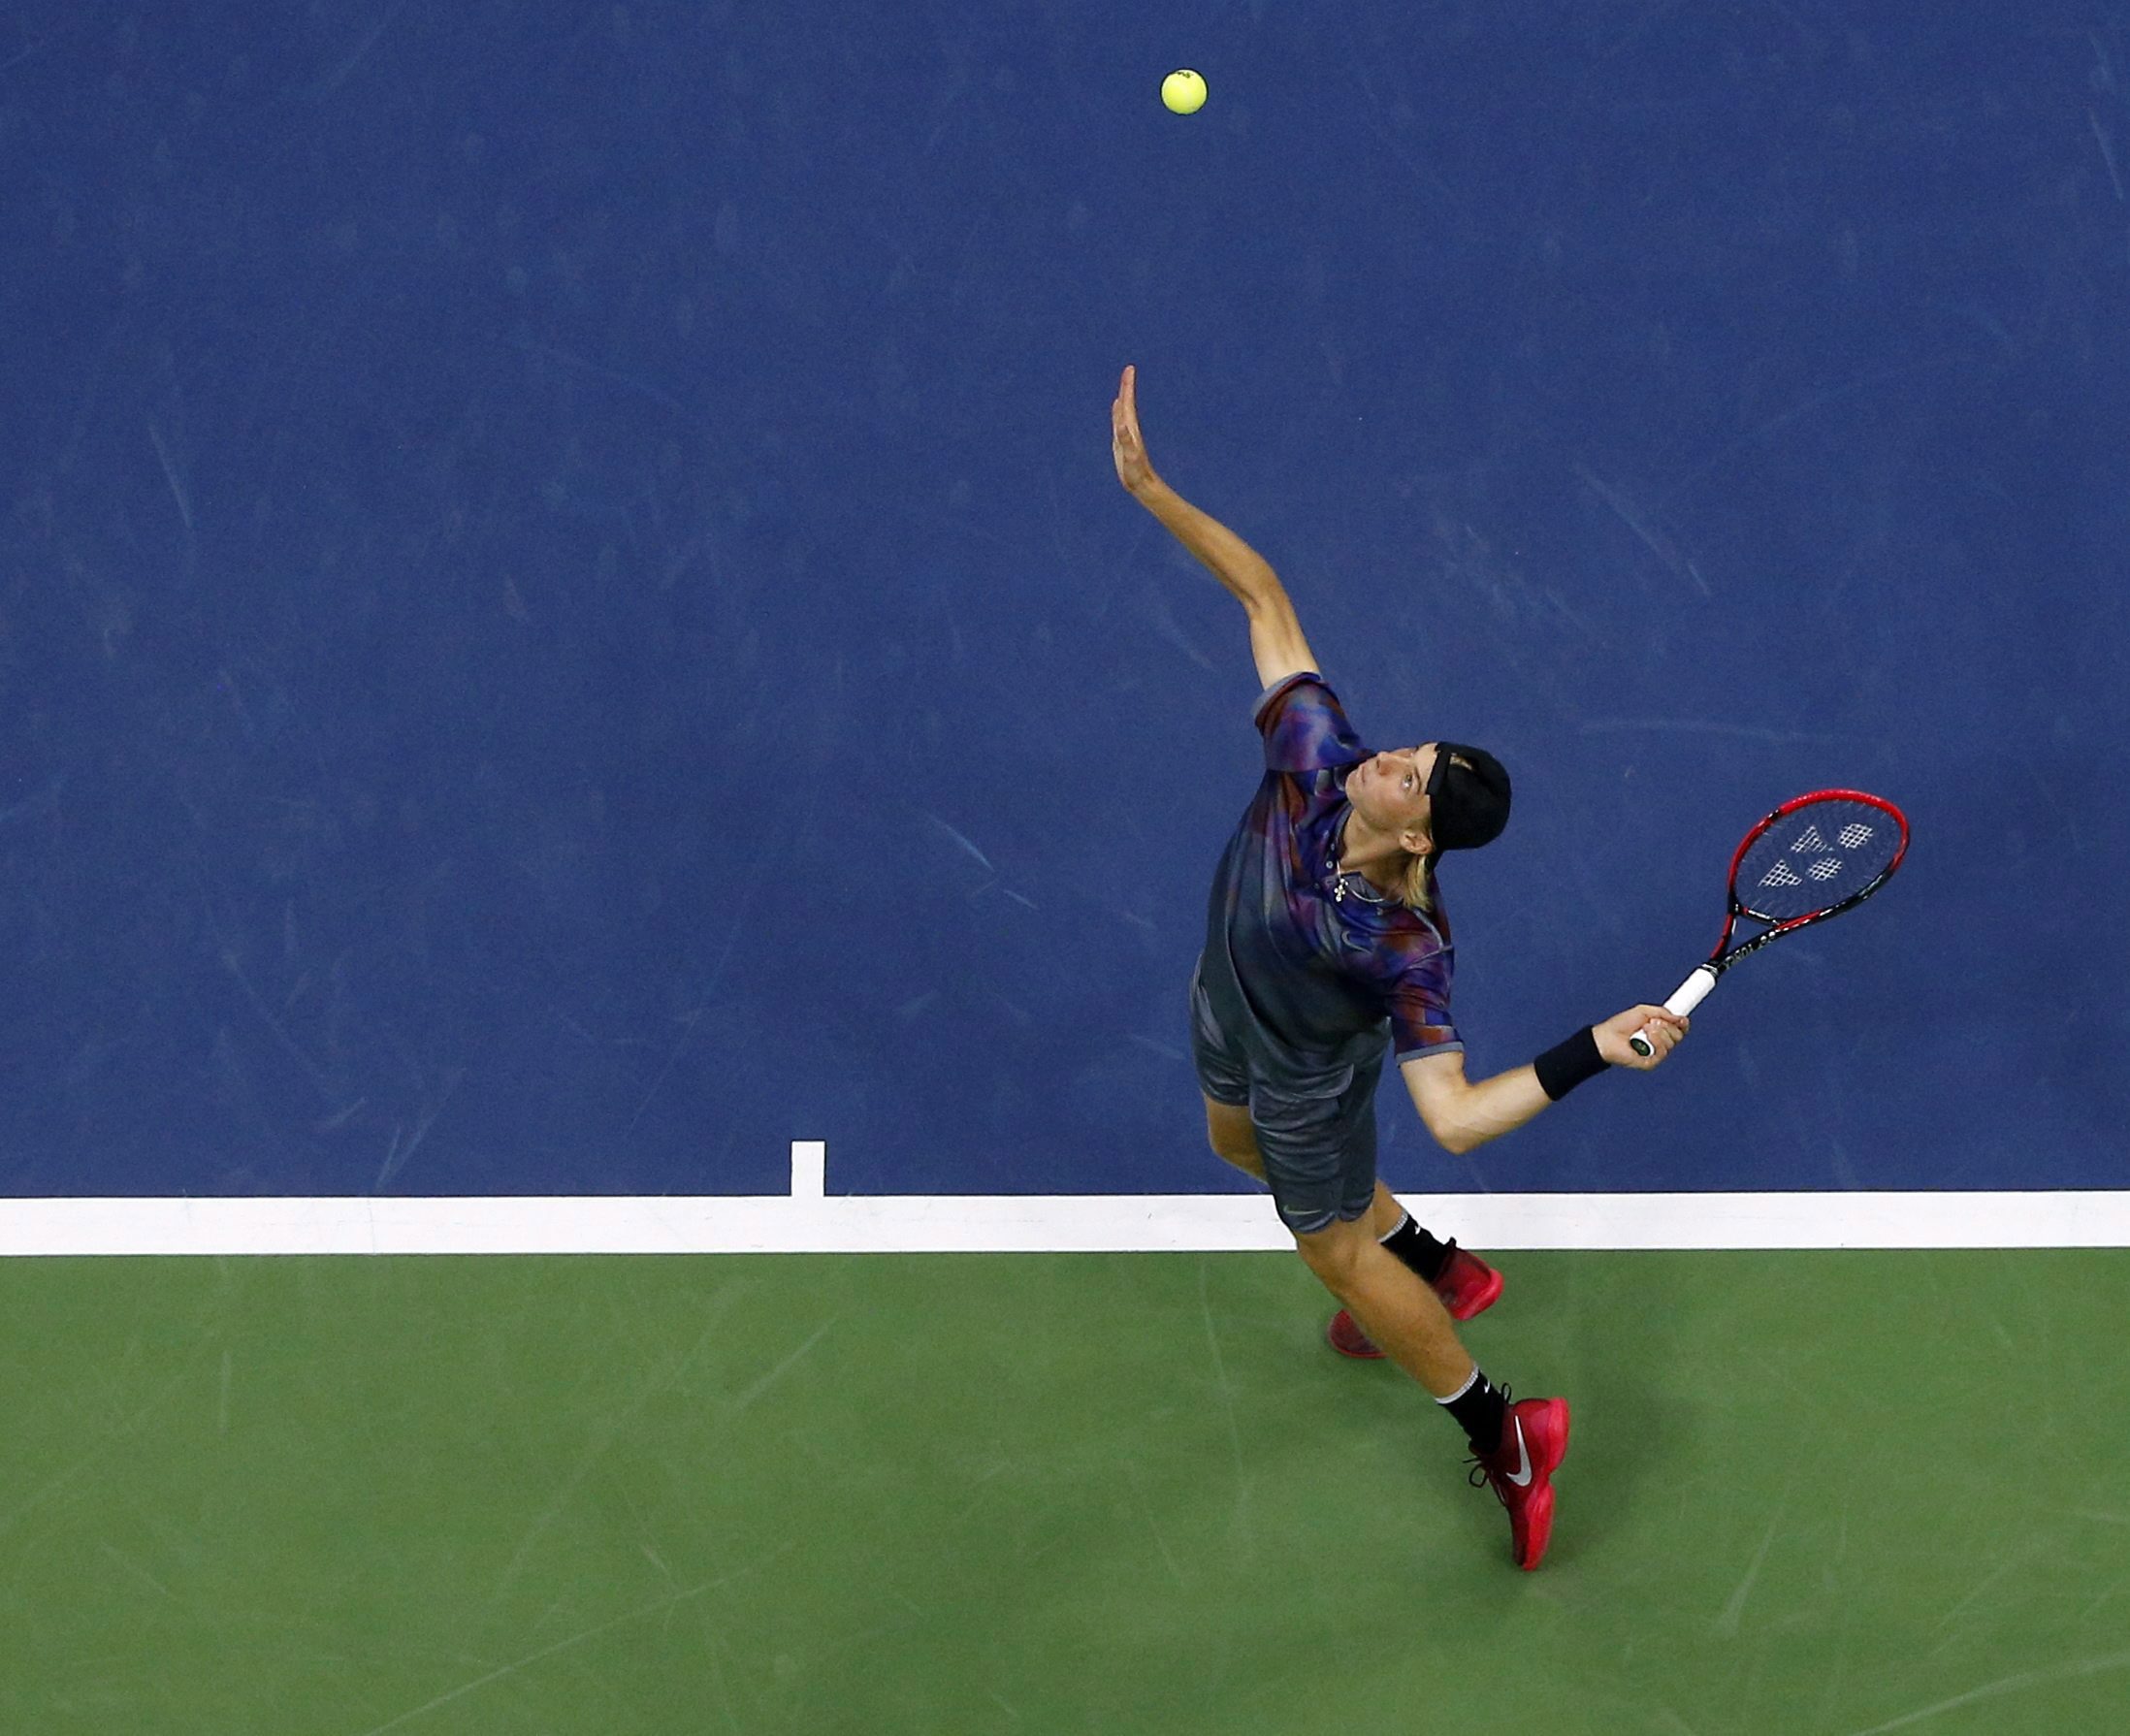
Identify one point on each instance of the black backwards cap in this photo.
(1471, 795)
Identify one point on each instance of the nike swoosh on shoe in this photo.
(1523, 1454)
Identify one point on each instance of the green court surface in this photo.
(1811, 1493)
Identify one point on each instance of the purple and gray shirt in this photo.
(1313, 969)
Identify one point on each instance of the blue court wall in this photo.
(565, 619)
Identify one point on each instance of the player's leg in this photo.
(1401, 1313)
(1320, 1146)
(1307, 1117)
(1466, 1284)
(1223, 1064)
(1316, 1136)
(1228, 1130)
(1517, 1445)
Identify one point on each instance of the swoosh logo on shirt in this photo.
(1522, 1454)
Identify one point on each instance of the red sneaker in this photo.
(1534, 1440)
(1467, 1286)
(1344, 1335)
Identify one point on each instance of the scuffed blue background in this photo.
(566, 620)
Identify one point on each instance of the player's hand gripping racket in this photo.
(1812, 858)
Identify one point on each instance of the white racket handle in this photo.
(1690, 994)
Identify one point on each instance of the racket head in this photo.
(1815, 856)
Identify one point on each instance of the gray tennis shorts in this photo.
(1316, 1133)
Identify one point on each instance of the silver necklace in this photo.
(1339, 875)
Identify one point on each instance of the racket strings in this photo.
(1814, 858)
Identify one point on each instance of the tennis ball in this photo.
(1183, 91)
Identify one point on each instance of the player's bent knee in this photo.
(1332, 1253)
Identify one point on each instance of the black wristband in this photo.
(1567, 1065)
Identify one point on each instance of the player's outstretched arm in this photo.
(1231, 560)
(1275, 634)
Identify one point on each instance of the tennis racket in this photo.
(1812, 858)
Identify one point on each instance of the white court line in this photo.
(1151, 1223)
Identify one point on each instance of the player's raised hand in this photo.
(1133, 467)
(1662, 1029)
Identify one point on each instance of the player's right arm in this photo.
(1464, 1115)
(1276, 632)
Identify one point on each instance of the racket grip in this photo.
(1689, 995)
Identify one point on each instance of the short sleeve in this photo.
(1412, 973)
(1421, 1026)
(1304, 727)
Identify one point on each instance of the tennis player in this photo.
(1326, 941)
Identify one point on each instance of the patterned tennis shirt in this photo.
(1317, 967)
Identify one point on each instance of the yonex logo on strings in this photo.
(1849, 837)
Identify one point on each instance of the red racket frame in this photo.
(1721, 958)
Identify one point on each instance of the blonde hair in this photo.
(1416, 884)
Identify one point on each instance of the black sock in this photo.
(1482, 1412)
(1418, 1249)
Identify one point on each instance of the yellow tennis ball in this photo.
(1183, 92)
